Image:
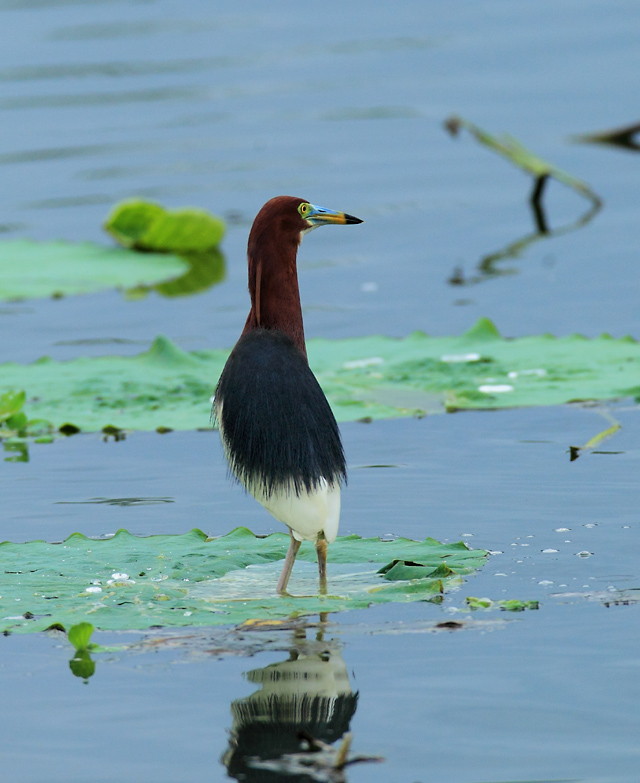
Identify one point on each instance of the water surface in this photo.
(223, 107)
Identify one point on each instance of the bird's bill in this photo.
(319, 216)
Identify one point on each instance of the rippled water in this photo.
(544, 695)
(223, 106)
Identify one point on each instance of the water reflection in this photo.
(76, 151)
(148, 95)
(17, 449)
(307, 694)
(132, 29)
(489, 266)
(627, 137)
(112, 69)
(82, 665)
(206, 269)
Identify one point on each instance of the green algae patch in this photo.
(127, 582)
(30, 270)
(367, 377)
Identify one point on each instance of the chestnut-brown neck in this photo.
(273, 279)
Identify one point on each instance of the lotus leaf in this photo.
(143, 225)
(126, 582)
(373, 377)
(40, 269)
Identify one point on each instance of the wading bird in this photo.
(277, 430)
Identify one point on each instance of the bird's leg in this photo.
(294, 545)
(321, 551)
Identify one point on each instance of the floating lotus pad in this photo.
(127, 582)
(29, 270)
(377, 377)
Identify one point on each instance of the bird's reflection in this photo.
(308, 693)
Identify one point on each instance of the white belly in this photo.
(308, 513)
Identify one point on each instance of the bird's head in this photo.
(314, 216)
(273, 246)
(293, 217)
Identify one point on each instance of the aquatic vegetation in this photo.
(82, 664)
(145, 225)
(511, 149)
(505, 605)
(80, 636)
(363, 378)
(190, 579)
(172, 252)
(30, 270)
(16, 429)
(192, 234)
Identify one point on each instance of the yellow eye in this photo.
(303, 209)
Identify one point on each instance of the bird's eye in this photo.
(303, 209)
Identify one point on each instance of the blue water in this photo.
(544, 695)
(222, 107)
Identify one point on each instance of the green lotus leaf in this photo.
(29, 270)
(143, 225)
(367, 377)
(130, 220)
(17, 422)
(80, 635)
(11, 403)
(127, 582)
(401, 570)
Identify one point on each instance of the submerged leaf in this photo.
(367, 377)
(193, 580)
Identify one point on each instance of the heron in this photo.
(278, 431)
